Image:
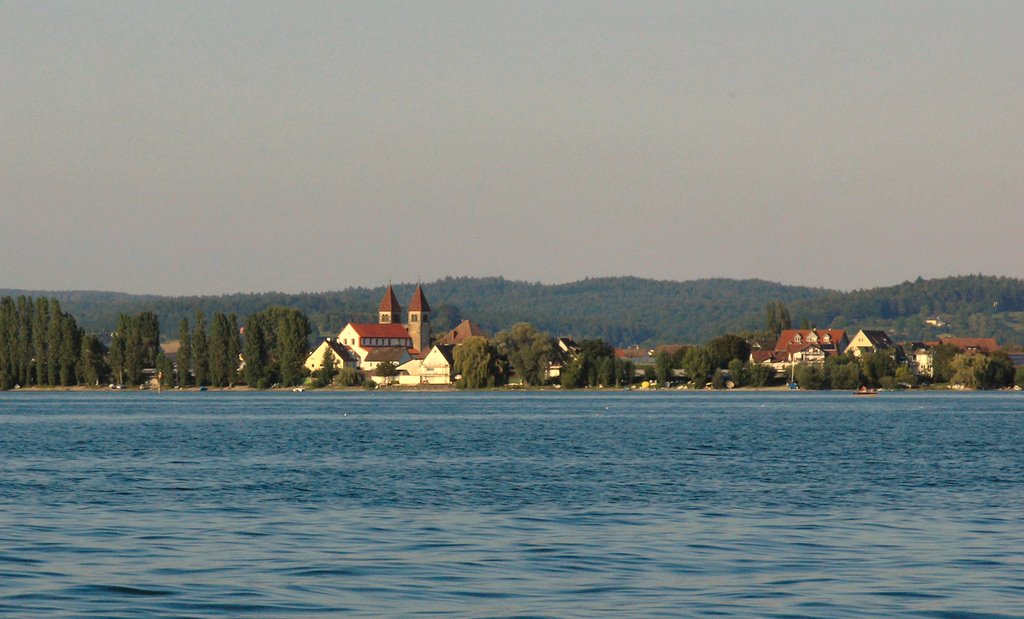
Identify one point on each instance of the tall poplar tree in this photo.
(200, 351)
(184, 360)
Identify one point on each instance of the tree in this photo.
(777, 318)
(738, 373)
(811, 376)
(698, 365)
(200, 351)
(969, 370)
(528, 350)
(761, 374)
(218, 347)
(256, 352)
(475, 364)
(184, 361)
(725, 348)
(386, 370)
(349, 377)
(663, 367)
(327, 370)
(942, 356)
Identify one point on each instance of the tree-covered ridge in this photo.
(972, 305)
(620, 310)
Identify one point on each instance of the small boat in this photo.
(866, 391)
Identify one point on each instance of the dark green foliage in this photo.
(220, 361)
(200, 351)
(1000, 372)
(776, 318)
(761, 374)
(843, 372)
(325, 374)
(663, 367)
(164, 371)
(698, 364)
(1018, 376)
(587, 368)
(276, 342)
(875, 366)
(386, 369)
(40, 344)
(811, 376)
(725, 348)
(528, 350)
(184, 360)
(476, 364)
(349, 377)
(942, 357)
(738, 373)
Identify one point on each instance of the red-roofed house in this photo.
(810, 345)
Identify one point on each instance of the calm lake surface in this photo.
(546, 505)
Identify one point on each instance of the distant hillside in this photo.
(973, 305)
(622, 310)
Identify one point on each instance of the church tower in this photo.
(390, 311)
(419, 321)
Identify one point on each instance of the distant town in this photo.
(42, 347)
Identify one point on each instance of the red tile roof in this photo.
(390, 302)
(981, 344)
(419, 301)
(372, 329)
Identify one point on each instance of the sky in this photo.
(213, 147)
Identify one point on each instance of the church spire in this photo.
(390, 311)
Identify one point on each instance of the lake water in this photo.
(502, 505)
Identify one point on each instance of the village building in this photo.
(342, 357)
(869, 342)
(464, 330)
(436, 368)
(810, 345)
(368, 345)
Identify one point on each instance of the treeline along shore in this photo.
(42, 346)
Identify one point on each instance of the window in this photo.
(413, 318)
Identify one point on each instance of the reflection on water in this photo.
(128, 505)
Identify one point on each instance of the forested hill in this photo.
(622, 310)
(973, 305)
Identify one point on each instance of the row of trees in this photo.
(528, 353)
(42, 345)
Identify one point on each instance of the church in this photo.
(366, 345)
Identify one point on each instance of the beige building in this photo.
(437, 368)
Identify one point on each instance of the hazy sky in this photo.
(207, 147)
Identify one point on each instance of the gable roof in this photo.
(981, 344)
(798, 336)
(465, 329)
(373, 329)
(390, 302)
(419, 301)
(386, 353)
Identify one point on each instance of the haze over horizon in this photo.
(214, 147)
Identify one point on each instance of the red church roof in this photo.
(390, 302)
(372, 329)
(419, 301)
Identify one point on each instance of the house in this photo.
(567, 350)
(972, 345)
(868, 341)
(436, 368)
(342, 357)
(935, 321)
(920, 357)
(810, 345)
(461, 332)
